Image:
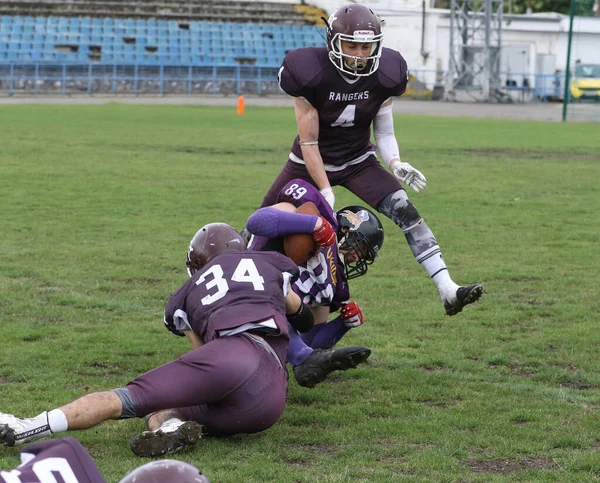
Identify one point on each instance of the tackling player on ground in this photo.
(234, 310)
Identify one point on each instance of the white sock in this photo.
(434, 264)
(57, 421)
(171, 421)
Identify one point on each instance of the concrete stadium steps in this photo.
(211, 10)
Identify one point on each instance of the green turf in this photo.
(98, 205)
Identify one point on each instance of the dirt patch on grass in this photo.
(504, 466)
(440, 404)
(520, 421)
(140, 281)
(503, 153)
(310, 450)
(5, 378)
(435, 367)
(314, 448)
(516, 368)
(32, 338)
(567, 366)
(579, 385)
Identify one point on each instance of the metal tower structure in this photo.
(475, 42)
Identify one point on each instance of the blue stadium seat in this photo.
(203, 43)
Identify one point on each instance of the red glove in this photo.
(351, 314)
(325, 235)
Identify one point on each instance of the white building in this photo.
(531, 43)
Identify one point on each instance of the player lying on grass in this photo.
(66, 460)
(310, 366)
(233, 309)
(323, 281)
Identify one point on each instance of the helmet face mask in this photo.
(360, 236)
(357, 24)
(354, 243)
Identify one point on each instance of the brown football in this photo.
(301, 247)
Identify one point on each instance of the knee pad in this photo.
(127, 402)
(398, 207)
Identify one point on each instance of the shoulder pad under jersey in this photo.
(393, 71)
(301, 70)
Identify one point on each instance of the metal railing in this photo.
(29, 78)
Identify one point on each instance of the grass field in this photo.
(98, 205)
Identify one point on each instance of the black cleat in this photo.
(323, 362)
(169, 438)
(464, 296)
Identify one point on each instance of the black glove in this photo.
(302, 320)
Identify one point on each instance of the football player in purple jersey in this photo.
(342, 90)
(234, 309)
(66, 460)
(323, 281)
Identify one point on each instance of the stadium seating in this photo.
(59, 39)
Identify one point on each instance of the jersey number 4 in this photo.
(346, 118)
(245, 272)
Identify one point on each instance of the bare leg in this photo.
(83, 413)
(92, 409)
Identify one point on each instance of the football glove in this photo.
(325, 234)
(329, 196)
(351, 314)
(408, 175)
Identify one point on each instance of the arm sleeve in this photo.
(273, 223)
(383, 130)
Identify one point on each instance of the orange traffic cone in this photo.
(240, 105)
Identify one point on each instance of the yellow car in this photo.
(585, 82)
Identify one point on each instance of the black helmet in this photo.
(209, 241)
(361, 230)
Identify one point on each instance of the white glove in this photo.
(408, 175)
(329, 196)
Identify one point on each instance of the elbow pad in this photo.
(302, 320)
(383, 130)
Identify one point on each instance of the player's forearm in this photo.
(194, 339)
(314, 166)
(307, 118)
(292, 302)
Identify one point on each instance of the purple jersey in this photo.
(297, 192)
(64, 460)
(234, 289)
(346, 107)
(322, 280)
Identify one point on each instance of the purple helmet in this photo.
(354, 23)
(162, 471)
(209, 241)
